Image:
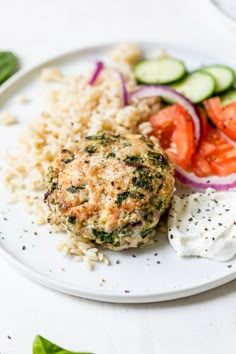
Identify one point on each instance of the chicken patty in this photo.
(111, 189)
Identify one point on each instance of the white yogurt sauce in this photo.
(204, 224)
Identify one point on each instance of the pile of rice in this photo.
(73, 109)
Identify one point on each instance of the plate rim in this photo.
(89, 293)
(110, 296)
(223, 14)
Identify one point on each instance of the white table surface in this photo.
(206, 323)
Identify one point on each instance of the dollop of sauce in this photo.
(204, 224)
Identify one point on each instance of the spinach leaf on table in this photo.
(43, 346)
(8, 65)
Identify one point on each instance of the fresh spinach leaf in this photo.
(8, 65)
(43, 346)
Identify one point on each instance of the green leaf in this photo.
(8, 65)
(44, 346)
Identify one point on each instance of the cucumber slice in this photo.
(196, 86)
(159, 71)
(228, 97)
(223, 75)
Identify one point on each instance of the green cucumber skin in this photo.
(177, 86)
(8, 65)
(158, 82)
(231, 71)
(228, 97)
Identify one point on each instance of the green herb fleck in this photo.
(150, 145)
(103, 235)
(50, 174)
(143, 178)
(68, 157)
(96, 137)
(157, 158)
(159, 204)
(84, 201)
(136, 195)
(68, 160)
(74, 189)
(127, 144)
(121, 197)
(90, 149)
(146, 232)
(111, 154)
(72, 219)
(133, 159)
(147, 141)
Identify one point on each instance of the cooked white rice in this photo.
(7, 118)
(73, 109)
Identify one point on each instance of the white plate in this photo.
(226, 10)
(155, 274)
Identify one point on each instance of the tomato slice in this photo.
(174, 129)
(223, 117)
(224, 167)
(200, 166)
(215, 156)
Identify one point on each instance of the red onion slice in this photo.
(98, 68)
(124, 93)
(167, 92)
(230, 141)
(216, 182)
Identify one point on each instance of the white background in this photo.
(35, 30)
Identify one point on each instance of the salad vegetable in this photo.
(228, 97)
(223, 75)
(171, 94)
(200, 142)
(223, 117)
(98, 68)
(196, 86)
(44, 346)
(174, 129)
(159, 71)
(124, 93)
(214, 156)
(218, 183)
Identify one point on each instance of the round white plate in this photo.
(153, 273)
